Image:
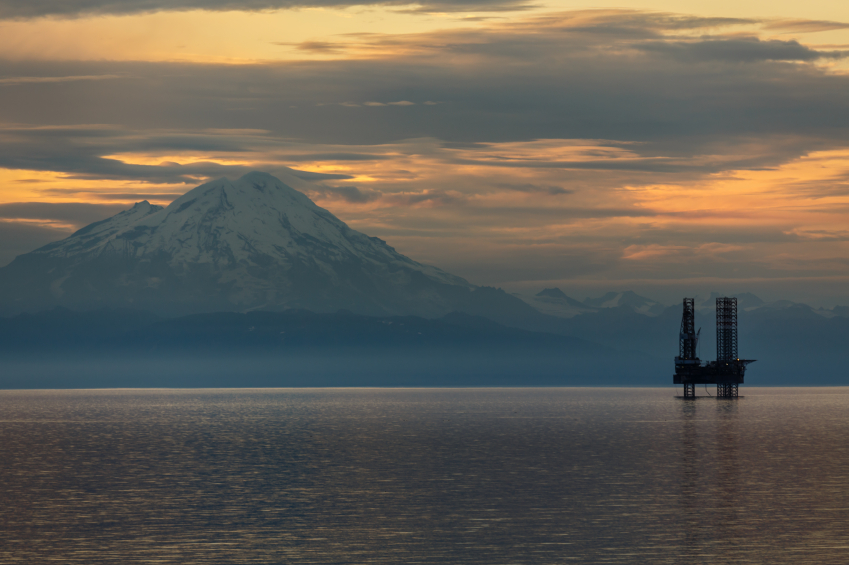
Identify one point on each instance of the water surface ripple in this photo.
(484, 476)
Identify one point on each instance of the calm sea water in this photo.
(424, 476)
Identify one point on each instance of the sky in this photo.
(673, 148)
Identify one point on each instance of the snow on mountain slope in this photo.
(227, 223)
(555, 302)
(89, 237)
(628, 298)
(251, 243)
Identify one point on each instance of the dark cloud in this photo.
(804, 26)
(427, 198)
(17, 9)
(697, 234)
(311, 176)
(102, 195)
(5, 81)
(536, 188)
(643, 165)
(533, 214)
(659, 21)
(316, 46)
(78, 151)
(337, 157)
(740, 50)
(348, 193)
(75, 213)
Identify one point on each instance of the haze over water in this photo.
(424, 476)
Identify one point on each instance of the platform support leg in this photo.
(689, 390)
(727, 390)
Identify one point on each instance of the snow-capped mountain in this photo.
(629, 298)
(745, 301)
(253, 243)
(555, 302)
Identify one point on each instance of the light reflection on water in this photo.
(424, 476)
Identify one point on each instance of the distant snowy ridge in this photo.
(555, 302)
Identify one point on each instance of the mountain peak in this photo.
(255, 242)
(628, 299)
(744, 300)
(552, 293)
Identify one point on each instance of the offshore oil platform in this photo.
(728, 370)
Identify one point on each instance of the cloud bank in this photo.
(16, 9)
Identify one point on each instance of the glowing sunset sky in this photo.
(659, 146)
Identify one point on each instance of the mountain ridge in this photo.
(109, 348)
(794, 345)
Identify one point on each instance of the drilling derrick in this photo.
(727, 360)
(726, 329)
(728, 370)
(687, 340)
(687, 361)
